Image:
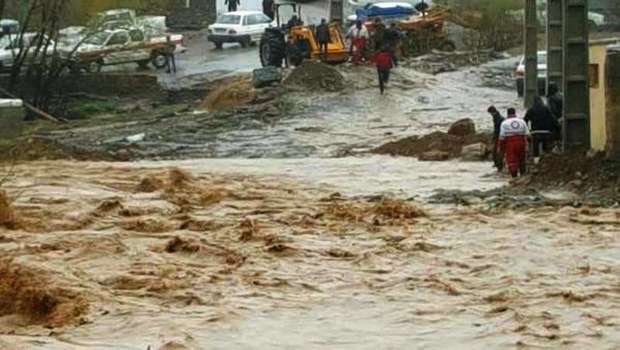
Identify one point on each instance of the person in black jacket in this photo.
(542, 124)
(232, 5)
(498, 119)
(323, 36)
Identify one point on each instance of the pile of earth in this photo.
(441, 62)
(579, 172)
(313, 76)
(461, 140)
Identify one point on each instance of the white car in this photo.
(541, 71)
(243, 27)
(10, 48)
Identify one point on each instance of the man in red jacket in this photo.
(384, 61)
(513, 137)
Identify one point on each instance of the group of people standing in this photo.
(384, 42)
(511, 136)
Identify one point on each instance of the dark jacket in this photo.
(540, 117)
(232, 4)
(322, 33)
(497, 124)
(391, 36)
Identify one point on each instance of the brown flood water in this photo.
(242, 254)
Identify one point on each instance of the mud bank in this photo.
(174, 255)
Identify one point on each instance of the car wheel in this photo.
(245, 42)
(447, 46)
(272, 49)
(159, 60)
(218, 45)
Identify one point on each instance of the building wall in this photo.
(598, 112)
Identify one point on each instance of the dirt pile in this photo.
(7, 214)
(443, 144)
(238, 92)
(27, 293)
(312, 76)
(578, 172)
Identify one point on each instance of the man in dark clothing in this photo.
(422, 7)
(542, 124)
(555, 101)
(498, 119)
(379, 35)
(384, 62)
(169, 50)
(294, 22)
(268, 8)
(323, 36)
(392, 38)
(232, 5)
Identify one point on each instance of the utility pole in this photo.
(576, 125)
(531, 53)
(555, 50)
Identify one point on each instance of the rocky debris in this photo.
(313, 76)
(434, 156)
(441, 62)
(463, 127)
(475, 152)
(267, 76)
(440, 145)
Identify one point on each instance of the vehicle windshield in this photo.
(229, 19)
(97, 38)
(4, 42)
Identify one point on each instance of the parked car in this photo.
(11, 46)
(111, 47)
(243, 27)
(542, 74)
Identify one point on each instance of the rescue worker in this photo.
(323, 36)
(169, 50)
(422, 7)
(358, 35)
(379, 35)
(543, 125)
(498, 160)
(385, 63)
(268, 6)
(513, 137)
(232, 5)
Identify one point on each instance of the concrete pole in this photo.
(531, 53)
(576, 125)
(612, 79)
(555, 51)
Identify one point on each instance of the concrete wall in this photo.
(598, 111)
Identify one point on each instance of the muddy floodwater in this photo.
(301, 254)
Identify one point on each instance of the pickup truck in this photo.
(119, 46)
